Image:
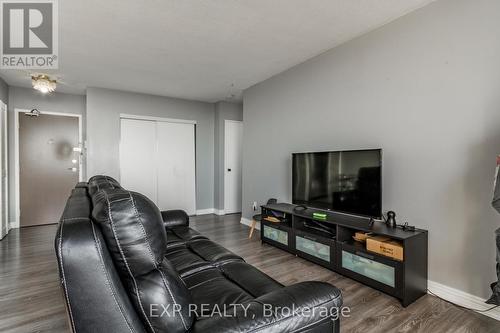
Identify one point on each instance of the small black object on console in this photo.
(391, 219)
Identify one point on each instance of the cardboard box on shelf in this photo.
(272, 219)
(360, 236)
(385, 246)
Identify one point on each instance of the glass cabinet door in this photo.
(374, 270)
(276, 235)
(312, 248)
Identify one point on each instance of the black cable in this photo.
(462, 307)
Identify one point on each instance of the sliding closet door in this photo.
(138, 161)
(157, 159)
(176, 163)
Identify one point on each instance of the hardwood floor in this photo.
(31, 299)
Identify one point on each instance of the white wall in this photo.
(223, 111)
(425, 88)
(24, 98)
(104, 107)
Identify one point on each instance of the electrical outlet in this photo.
(254, 205)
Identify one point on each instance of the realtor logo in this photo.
(29, 34)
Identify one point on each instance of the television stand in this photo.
(336, 250)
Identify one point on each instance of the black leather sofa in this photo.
(127, 267)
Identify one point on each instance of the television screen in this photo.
(343, 181)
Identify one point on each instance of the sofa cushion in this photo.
(211, 251)
(302, 307)
(249, 278)
(179, 236)
(240, 283)
(198, 254)
(134, 227)
(185, 261)
(186, 233)
(133, 230)
(173, 240)
(210, 289)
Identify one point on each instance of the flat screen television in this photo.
(343, 181)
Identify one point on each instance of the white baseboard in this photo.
(205, 211)
(210, 211)
(13, 225)
(248, 222)
(462, 298)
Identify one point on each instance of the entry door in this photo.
(157, 159)
(233, 137)
(48, 166)
(4, 220)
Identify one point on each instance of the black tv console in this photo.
(336, 250)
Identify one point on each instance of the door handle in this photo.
(229, 170)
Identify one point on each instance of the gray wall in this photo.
(104, 107)
(4, 91)
(25, 98)
(223, 111)
(425, 88)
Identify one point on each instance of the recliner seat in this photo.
(119, 257)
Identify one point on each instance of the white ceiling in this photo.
(196, 49)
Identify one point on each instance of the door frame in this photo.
(17, 222)
(151, 118)
(5, 212)
(166, 120)
(226, 121)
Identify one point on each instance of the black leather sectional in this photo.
(127, 267)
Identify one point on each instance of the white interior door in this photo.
(4, 217)
(177, 169)
(233, 137)
(138, 157)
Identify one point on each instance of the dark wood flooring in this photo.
(31, 299)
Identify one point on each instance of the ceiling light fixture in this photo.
(43, 83)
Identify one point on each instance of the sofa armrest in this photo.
(173, 218)
(299, 306)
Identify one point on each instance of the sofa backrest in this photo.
(96, 299)
(133, 229)
(100, 182)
